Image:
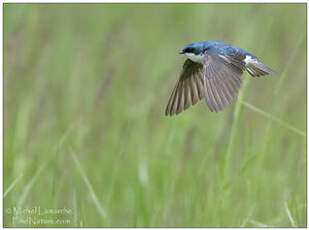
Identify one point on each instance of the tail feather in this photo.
(257, 68)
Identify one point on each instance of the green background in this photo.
(85, 88)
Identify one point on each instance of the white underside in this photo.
(196, 58)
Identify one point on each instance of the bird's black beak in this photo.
(181, 52)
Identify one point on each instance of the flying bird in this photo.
(212, 72)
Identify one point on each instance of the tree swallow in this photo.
(212, 71)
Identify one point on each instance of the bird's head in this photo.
(194, 48)
(194, 52)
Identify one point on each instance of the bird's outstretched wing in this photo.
(222, 77)
(189, 88)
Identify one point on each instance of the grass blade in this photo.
(259, 224)
(233, 133)
(94, 197)
(285, 73)
(289, 215)
(29, 186)
(275, 119)
(12, 185)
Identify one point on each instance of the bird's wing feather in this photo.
(257, 68)
(222, 78)
(188, 90)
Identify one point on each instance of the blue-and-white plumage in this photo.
(212, 71)
(214, 47)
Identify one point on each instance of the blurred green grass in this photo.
(85, 88)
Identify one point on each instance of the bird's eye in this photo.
(189, 50)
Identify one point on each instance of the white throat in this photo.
(199, 58)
